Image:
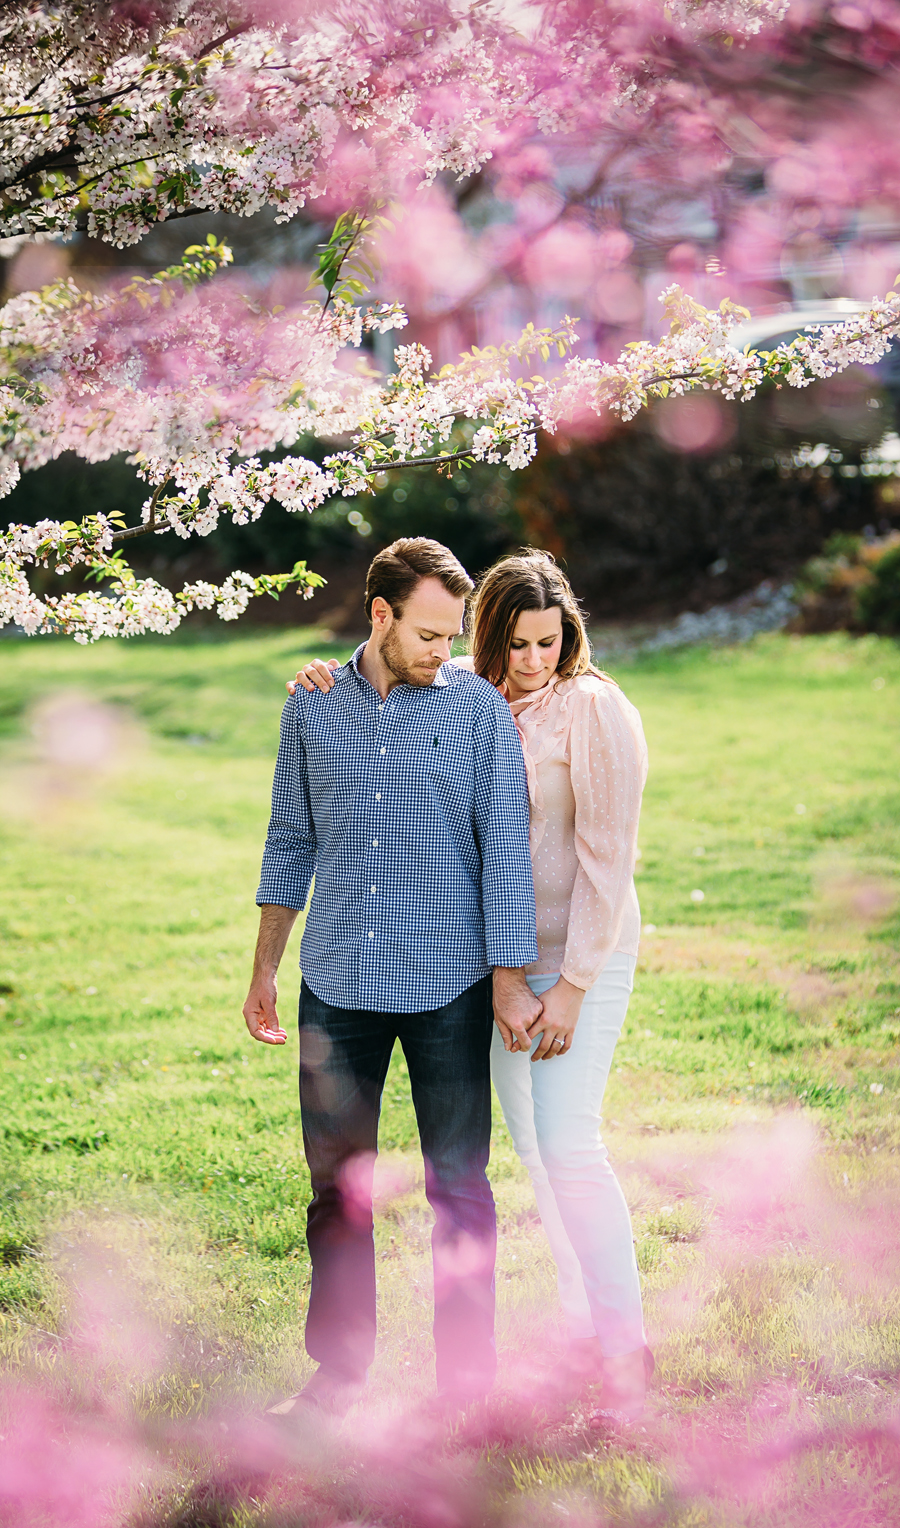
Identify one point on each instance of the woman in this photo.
(586, 762)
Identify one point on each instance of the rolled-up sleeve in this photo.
(289, 858)
(608, 771)
(501, 826)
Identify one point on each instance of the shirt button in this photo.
(371, 933)
(374, 843)
(384, 750)
(373, 891)
(378, 795)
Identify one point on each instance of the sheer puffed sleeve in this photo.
(608, 762)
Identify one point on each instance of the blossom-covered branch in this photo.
(114, 123)
(113, 119)
(130, 606)
(198, 379)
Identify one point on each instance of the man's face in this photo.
(413, 645)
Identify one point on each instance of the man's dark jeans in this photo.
(344, 1056)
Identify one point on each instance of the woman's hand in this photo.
(317, 675)
(556, 1025)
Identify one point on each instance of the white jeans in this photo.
(552, 1110)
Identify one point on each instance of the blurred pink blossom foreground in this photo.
(77, 1452)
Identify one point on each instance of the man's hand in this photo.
(315, 675)
(556, 1025)
(515, 1007)
(260, 1010)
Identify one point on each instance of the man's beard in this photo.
(394, 661)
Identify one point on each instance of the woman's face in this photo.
(534, 651)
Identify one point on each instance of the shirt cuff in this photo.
(281, 886)
(513, 959)
(584, 983)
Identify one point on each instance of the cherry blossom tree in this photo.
(118, 117)
(759, 165)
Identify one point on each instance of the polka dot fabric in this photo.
(586, 762)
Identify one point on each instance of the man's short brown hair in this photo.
(395, 572)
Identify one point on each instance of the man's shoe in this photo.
(325, 1394)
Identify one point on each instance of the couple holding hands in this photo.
(472, 828)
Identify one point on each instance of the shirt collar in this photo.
(439, 682)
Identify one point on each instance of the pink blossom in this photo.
(196, 378)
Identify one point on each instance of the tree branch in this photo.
(441, 461)
(221, 41)
(56, 67)
(82, 185)
(114, 95)
(139, 530)
(152, 525)
(149, 524)
(81, 221)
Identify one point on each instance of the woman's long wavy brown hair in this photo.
(526, 580)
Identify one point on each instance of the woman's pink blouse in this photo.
(586, 761)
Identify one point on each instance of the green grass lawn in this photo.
(150, 1148)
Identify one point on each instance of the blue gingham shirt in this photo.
(412, 813)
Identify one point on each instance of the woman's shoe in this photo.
(625, 1381)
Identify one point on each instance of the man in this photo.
(404, 792)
